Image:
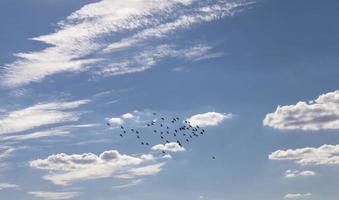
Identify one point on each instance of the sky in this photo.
(260, 76)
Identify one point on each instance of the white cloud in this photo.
(141, 61)
(59, 131)
(323, 155)
(208, 119)
(127, 116)
(297, 195)
(54, 195)
(7, 186)
(6, 151)
(130, 184)
(116, 121)
(322, 113)
(64, 169)
(295, 173)
(201, 14)
(78, 42)
(39, 115)
(169, 147)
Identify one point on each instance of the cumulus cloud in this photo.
(320, 114)
(323, 155)
(295, 173)
(7, 186)
(64, 169)
(208, 119)
(39, 115)
(54, 195)
(297, 195)
(96, 23)
(169, 147)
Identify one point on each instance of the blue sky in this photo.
(260, 76)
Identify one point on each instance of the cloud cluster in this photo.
(83, 41)
(169, 147)
(297, 195)
(54, 195)
(208, 119)
(323, 155)
(64, 169)
(39, 115)
(295, 173)
(320, 114)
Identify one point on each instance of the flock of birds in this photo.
(167, 129)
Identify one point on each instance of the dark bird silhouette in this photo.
(120, 135)
(163, 152)
(121, 127)
(137, 132)
(154, 113)
(108, 124)
(138, 136)
(187, 140)
(162, 118)
(162, 137)
(147, 143)
(213, 157)
(167, 141)
(132, 129)
(124, 131)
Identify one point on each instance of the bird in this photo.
(163, 152)
(108, 124)
(154, 131)
(213, 157)
(132, 129)
(121, 127)
(142, 143)
(147, 143)
(187, 140)
(154, 113)
(120, 135)
(138, 136)
(162, 118)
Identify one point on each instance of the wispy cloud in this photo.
(295, 173)
(7, 186)
(54, 195)
(297, 195)
(39, 115)
(91, 47)
(127, 185)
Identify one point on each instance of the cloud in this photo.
(169, 147)
(116, 121)
(128, 116)
(7, 186)
(6, 151)
(130, 184)
(95, 25)
(208, 119)
(59, 131)
(39, 115)
(323, 155)
(54, 195)
(65, 169)
(320, 114)
(295, 173)
(297, 195)
(146, 59)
